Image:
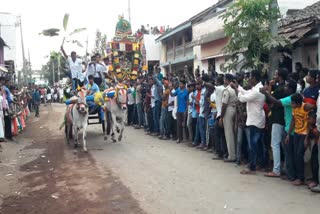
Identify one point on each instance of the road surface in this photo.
(139, 175)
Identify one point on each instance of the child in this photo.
(299, 123)
(311, 141)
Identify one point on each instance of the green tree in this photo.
(52, 67)
(100, 43)
(247, 24)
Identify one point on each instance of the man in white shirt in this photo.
(191, 88)
(202, 119)
(172, 119)
(131, 102)
(255, 116)
(99, 71)
(91, 69)
(60, 91)
(138, 103)
(75, 66)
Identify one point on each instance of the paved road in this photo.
(139, 175)
(169, 178)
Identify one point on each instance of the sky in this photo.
(38, 15)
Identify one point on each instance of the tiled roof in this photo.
(311, 12)
(300, 23)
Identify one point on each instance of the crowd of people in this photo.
(43, 95)
(247, 118)
(242, 119)
(13, 109)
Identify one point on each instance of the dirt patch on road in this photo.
(60, 181)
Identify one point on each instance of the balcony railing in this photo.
(170, 55)
(188, 51)
(180, 52)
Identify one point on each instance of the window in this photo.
(188, 35)
(169, 45)
(179, 41)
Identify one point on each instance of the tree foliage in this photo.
(52, 67)
(247, 24)
(100, 44)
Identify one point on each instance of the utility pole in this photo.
(58, 67)
(29, 67)
(87, 43)
(129, 11)
(53, 78)
(22, 45)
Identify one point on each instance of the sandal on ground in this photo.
(205, 148)
(272, 175)
(312, 184)
(297, 182)
(247, 172)
(316, 189)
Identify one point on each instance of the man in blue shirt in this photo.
(36, 100)
(182, 95)
(91, 86)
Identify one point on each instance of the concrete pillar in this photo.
(184, 44)
(174, 49)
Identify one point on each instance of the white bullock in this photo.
(77, 118)
(117, 106)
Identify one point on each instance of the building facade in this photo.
(176, 49)
(196, 43)
(150, 50)
(8, 34)
(209, 40)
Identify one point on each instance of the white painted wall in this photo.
(296, 57)
(219, 61)
(202, 29)
(197, 58)
(152, 48)
(8, 34)
(206, 27)
(163, 53)
(302, 53)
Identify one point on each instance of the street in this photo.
(141, 174)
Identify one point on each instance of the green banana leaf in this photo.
(65, 21)
(50, 32)
(77, 31)
(75, 42)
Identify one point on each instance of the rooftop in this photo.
(3, 43)
(300, 23)
(202, 16)
(311, 12)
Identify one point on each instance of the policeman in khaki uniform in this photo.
(228, 117)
